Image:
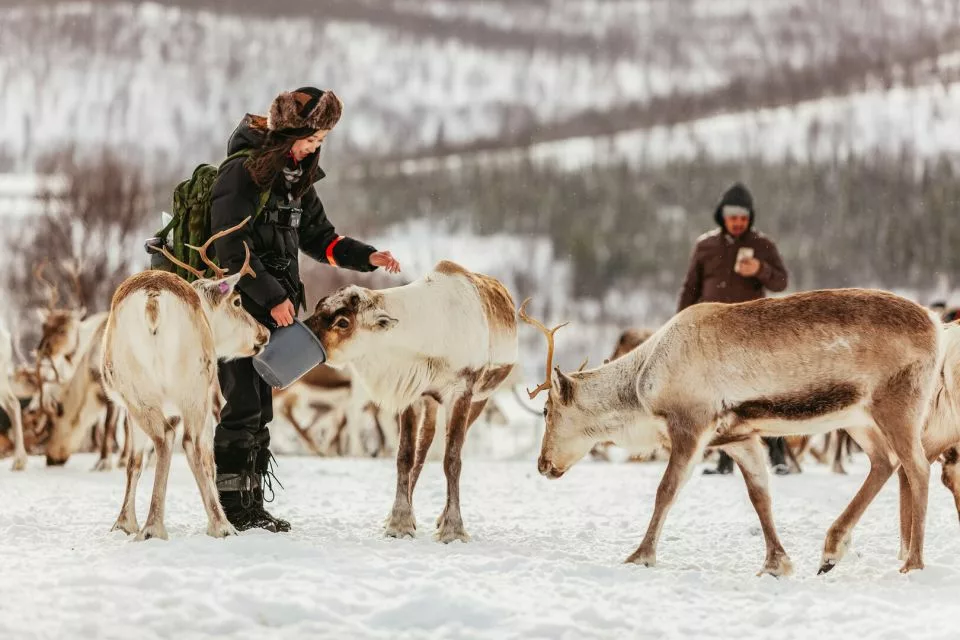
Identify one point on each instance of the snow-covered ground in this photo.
(544, 561)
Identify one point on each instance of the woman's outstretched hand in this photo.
(386, 260)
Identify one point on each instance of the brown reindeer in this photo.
(725, 375)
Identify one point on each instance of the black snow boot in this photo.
(242, 494)
(724, 466)
(778, 455)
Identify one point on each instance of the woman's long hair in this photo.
(266, 163)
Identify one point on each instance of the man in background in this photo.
(734, 263)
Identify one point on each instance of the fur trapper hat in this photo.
(303, 112)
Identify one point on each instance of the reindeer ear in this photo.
(384, 322)
(563, 385)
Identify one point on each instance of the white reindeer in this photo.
(9, 400)
(724, 375)
(450, 335)
(160, 351)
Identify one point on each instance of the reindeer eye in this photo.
(342, 323)
(544, 412)
(236, 302)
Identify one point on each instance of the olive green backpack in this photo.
(190, 223)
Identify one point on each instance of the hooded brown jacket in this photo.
(711, 278)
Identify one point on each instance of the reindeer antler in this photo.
(183, 265)
(583, 365)
(73, 269)
(549, 334)
(206, 245)
(53, 294)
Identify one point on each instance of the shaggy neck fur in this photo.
(609, 395)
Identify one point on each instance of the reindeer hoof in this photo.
(149, 532)
(224, 530)
(401, 526)
(643, 559)
(826, 567)
(777, 567)
(19, 463)
(911, 565)
(448, 531)
(128, 527)
(103, 464)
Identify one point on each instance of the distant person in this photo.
(281, 164)
(731, 264)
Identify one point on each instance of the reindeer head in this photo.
(236, 333)
(60, 332)
(570, 430)
(349, 323)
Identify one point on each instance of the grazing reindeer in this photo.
(160, 351)
(82, 403)
(9, 400)
(724, 375)
(451, 335)
(69, 343)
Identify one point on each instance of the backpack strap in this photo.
(264, 195)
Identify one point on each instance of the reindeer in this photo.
(83, 402)
(450, 335)
(724, 375)
(160, 350)
(70, 345)
(9, 401)
(324, 391)
(941, 433)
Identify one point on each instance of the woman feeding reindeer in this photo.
(274, 185)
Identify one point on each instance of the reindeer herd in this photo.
(881, 368)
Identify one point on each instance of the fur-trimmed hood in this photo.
(304, 111)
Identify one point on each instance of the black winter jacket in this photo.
(273, 248)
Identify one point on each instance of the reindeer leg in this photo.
(301, 431)
(906, 514)
(950, 473)
(792, 457)
(12, 407)
(902, 424)
(463, 414)
(841, 441)
(686, 447)
(426, 432)
(881, 468)
(163, 443)
(127, 445)
(339, 438)
(127, 520)
(198, 449)
(105, 463)
(749, 456)
(401, 521)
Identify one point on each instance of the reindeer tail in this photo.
(152, 311)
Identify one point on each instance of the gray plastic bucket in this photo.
(292, 351)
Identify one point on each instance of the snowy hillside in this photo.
(168, 83)
(920, 120)
(545, 560)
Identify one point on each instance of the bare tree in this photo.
(88, 232)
